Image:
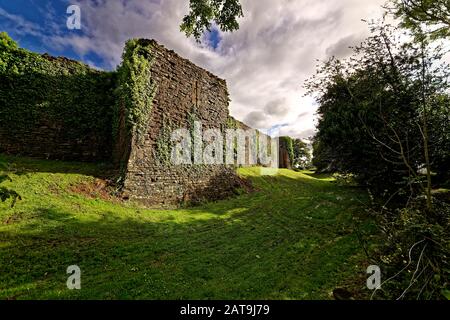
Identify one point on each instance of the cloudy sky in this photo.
(265, 63)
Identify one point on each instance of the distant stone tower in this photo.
(284, 156)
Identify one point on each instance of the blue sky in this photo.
(33, 22)
(265, 62)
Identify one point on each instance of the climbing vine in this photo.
(287, 142)
(164, 143)
(136, 90)
(231, 123)
(193, 117)
(68, 94)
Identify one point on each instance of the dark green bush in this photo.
(416, 255)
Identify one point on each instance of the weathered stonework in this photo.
(283, 156)
(184, 91)
(48, 140)
(55, 108)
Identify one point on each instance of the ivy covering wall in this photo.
(55, 106)
(136, 90)
(286, 143)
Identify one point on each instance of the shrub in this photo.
(416, 255)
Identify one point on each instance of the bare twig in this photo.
(398, 273)
(414, 279)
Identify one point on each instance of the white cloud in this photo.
(20, 25)
(276, 49)
(265, 62)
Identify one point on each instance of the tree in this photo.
(6, 45)
(375, 119)
(419, 15)
(384, 118)
(286, 155)
(6, 42)
(302, 156)
(203, 13)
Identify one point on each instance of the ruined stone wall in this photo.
(184, 92)
(53, 108)
(261, 137)
(61, 109)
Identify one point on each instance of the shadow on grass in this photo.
(24, 165)
(266, 249)
(316, 175)
(293, 239)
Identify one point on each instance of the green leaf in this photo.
(446, 294)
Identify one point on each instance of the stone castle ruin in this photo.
(183, 93)
(55, 108)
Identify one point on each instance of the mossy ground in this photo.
(294, 238)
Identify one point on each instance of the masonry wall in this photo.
(275, 162)
(285, 153)
(56, 108)
(184, 92)
(53, 108)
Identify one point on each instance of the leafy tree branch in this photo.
(203, 13)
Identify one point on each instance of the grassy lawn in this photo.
(294, 238)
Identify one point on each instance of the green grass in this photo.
(295, 238)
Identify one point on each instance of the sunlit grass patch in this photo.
(293, 238)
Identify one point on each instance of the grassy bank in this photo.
(296, 237)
